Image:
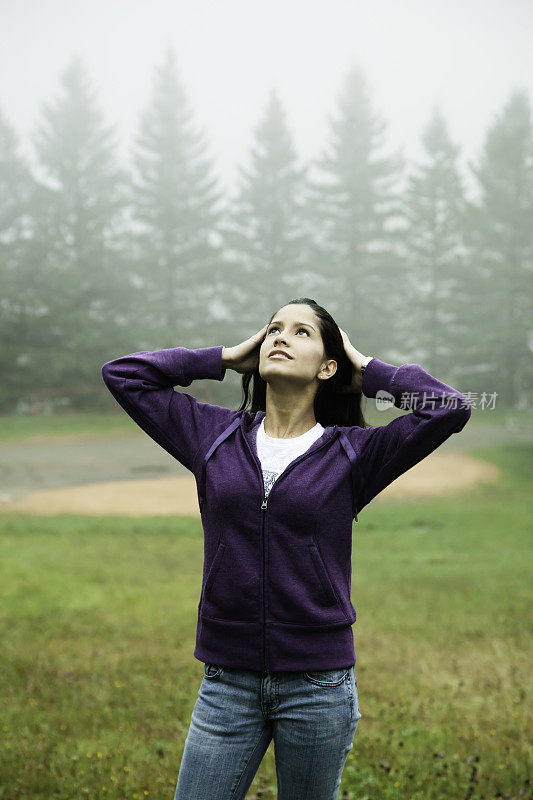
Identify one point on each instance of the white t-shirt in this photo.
(275, 454)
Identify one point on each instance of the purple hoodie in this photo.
(276, 579)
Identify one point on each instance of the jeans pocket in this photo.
(327, 677)
(211, 671)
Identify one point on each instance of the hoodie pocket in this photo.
(327, 586)
(299, 588)
(213, 570)
(231, 589)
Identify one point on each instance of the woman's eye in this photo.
(275, 328)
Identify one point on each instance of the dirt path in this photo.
(114, 474)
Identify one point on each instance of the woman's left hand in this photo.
(356, 386)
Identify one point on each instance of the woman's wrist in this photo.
(364, 362)
(226, 359)
(358, 359)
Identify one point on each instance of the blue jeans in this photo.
(312, 717)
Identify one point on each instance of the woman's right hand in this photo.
(244, 357)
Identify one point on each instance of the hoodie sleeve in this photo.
(386, 452)
(142, 383)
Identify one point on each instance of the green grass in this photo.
(18, 427)
(480, 416)
(98, 621)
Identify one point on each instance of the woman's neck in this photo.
(288, 428)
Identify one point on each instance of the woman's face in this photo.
(295, 330)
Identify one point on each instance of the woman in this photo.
(279, 486)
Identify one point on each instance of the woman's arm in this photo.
(142, 383)
(386, 452)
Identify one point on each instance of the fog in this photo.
(466, 56)
(175, 172)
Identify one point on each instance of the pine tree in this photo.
(353, 209)
(501, 242)
(20, 315)
(264, 230)
(435, 254)
(174, 197)
(77, 211)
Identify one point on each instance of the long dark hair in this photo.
(330, 406)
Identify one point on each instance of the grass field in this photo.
(98, 620)
(18, 427)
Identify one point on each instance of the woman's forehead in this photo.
(298, 311)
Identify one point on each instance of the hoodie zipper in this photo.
(264, 505)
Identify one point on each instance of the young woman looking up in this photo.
(280, 482)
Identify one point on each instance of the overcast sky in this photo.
(465, 55)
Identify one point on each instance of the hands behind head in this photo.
(244, 357)
(356, 358)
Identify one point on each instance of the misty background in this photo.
(173, 173)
